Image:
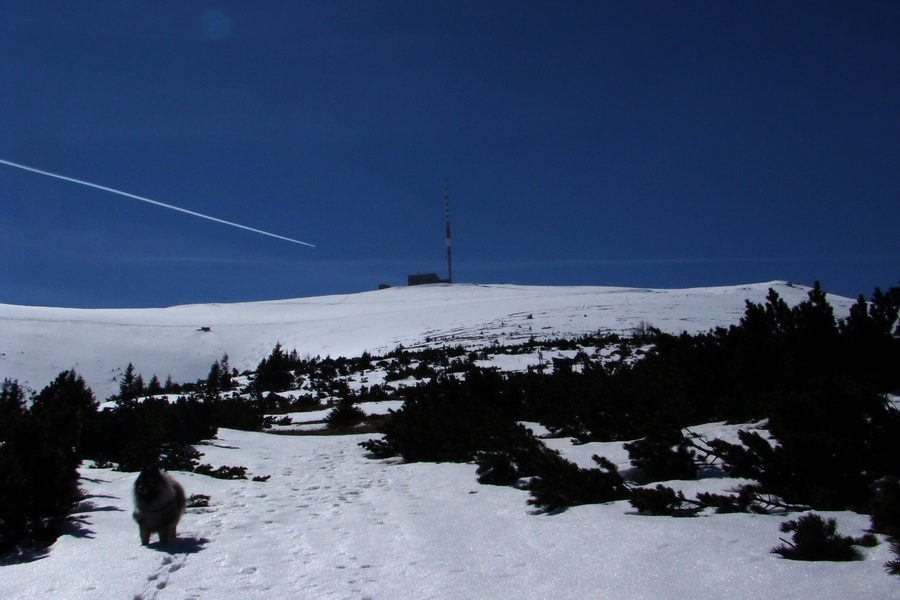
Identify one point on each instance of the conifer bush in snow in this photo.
(814, 538)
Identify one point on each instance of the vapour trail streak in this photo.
(149, 201)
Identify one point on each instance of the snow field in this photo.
(331, 523)
(37, 343)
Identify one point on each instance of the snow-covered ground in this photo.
(313, 420)
(37, 343)
(330, 523)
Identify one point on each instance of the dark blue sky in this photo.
(652, 144)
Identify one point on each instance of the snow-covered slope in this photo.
(330, 523)
(36, 343)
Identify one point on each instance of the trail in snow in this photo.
(330, 523)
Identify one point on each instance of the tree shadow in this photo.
(94, 479)
(76, 527)
(86, 506)
(216, 444)
(25, 555)
(548, 513)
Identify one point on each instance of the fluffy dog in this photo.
(159, 503)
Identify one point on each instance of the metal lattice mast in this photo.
(447, 214)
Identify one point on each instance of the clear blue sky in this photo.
(635, 143)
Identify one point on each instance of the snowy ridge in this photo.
(36, 343)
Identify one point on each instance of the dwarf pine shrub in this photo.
(893, 566)
(817, 539)
(565, 484)
(663, 457)
(345, 414)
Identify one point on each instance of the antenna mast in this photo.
(447, 214)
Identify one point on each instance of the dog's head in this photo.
(149, 481)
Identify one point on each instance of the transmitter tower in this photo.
(449, 246)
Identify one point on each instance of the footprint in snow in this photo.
(159, 578)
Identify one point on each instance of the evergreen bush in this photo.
(223, 472)
(746, 499)
(564, 484)
(893, 566)
(448, 420)
(178, 457)
(141, 433)
(663, 500)
(663, 456)
(39, 457)
(345, 414)
(273, 373)
(522, 455)
(816, 539)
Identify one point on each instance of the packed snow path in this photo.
(330, 523)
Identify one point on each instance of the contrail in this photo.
(149, 201)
